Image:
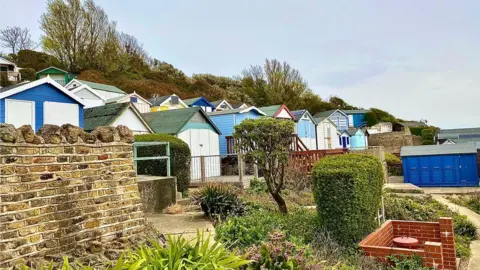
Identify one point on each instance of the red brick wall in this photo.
(436, 238)
(423, 231)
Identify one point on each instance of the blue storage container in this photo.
(440, 165)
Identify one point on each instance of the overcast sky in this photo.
(415, 59)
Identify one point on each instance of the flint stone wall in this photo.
(63, 187)
(392, 142)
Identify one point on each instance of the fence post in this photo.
(255, 170)
(168, 160)
(240, 168)
(202, 169)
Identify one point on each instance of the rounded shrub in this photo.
(391, 159)
(28, 74)
(348, 192)
(180, 158)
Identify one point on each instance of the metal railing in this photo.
(136, 145)
(220, 168)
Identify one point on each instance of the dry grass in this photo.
(174, 209)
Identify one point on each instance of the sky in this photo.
(415, 59)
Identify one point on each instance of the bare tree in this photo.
(16, 38)
(132, 46)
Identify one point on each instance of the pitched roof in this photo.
(102, 87)
(355, 111)
(103, 115)
(445, 149)
(238, 105)
(318, 120)
(172, 121)
(17, 88)
(299, 113)
(270, 110)
(242, 110)
(52, 67)
(156, 101)
(115, 99)
(217, 102)
(353, 131)
(10, 87)
(191, 101)
(327, 113)
(5, 61)
(107, 114)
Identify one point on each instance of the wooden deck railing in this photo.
(304, 160)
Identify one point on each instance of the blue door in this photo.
(468, 170)
(450, 170)
(412, 172)
(424, 165)
(344, 142)
(436, 169)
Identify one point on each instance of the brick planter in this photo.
(437, 244)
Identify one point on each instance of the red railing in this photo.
(297, 144)
(304, 160)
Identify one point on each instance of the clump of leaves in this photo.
(219, 200)
(278, 253)
(180, 254)
(257, 186)
(407, 263)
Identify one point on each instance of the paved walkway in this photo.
(451, 190)
(474, 263)
(181, 224)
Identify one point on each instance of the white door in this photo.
(20, 112)
(57, 113)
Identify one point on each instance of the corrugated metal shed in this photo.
(431, 150)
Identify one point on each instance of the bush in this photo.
(391, 159)
(278, 253)
(348, 192)
(407, 263)
(28, 74)
(219, 200)
(181, 254)
(300, 226)
(464, 227)
(180, 158)
(257, 187)
(428, 135)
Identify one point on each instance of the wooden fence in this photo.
(304, 160)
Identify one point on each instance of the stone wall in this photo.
(392, 141)
(63, 187)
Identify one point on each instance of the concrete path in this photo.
(404, 187)
(451, 190)
(181, 224)
(395, 179)
(474, 263)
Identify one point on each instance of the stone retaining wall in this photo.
(63, 187)
(392, 141)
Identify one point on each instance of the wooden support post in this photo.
(202, 168)
(240, 168)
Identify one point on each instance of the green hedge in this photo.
(28, 74)
(180, 158)
(348, 191)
